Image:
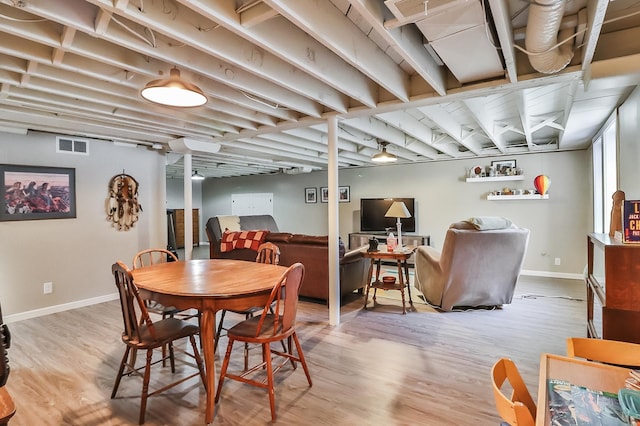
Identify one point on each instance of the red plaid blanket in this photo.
(243, 239)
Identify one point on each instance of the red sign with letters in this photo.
(631, 221)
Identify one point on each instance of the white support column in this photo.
(188, 209)
(334, 228)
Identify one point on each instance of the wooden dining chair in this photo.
(267, 328)
(154, 256)
(518, 408)
(150, 257)
(7, 407)
(268, 253)
(605, 351)
(144, 334)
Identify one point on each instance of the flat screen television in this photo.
(372, 212)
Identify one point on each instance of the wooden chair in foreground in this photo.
(268, 253)
(605, 351)
(518, 408)
(7, 407)
(145, 334)
(266, 329)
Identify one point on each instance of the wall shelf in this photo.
(495, 178)
(517, 197)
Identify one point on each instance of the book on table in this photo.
(571, 405)
(631, 221)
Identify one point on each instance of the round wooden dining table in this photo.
(208, 285)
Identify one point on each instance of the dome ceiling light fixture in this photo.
(196, 176)
(173, 91)
(384, 156)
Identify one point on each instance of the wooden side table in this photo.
(400, 256)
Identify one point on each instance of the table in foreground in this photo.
(401, 256)
(208, 285)
(579, 372)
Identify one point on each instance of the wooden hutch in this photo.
(613, 289)
(175, 222)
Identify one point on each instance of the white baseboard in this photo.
(59, 308)
(547, 274)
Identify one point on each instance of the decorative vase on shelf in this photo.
(541, 182)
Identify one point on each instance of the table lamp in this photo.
(398, 210)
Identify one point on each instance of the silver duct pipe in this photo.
(543, 24)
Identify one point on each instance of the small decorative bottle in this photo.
(391, 242)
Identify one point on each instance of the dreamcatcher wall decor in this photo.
(122, 204)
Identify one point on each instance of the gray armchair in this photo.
(478, 266)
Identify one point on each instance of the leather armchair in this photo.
(475, 268)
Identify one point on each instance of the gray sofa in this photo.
(312, 251)
(475, 268)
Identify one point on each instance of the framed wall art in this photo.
(310, 195)
(324, 194)
(344, 194)
(36, 192)
(504, 167)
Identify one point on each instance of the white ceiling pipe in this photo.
(543, 24)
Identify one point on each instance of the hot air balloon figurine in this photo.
(542, 182)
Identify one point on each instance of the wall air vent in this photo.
(72, 146)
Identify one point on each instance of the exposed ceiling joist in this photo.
(274, 70)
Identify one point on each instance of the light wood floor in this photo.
(377, 368)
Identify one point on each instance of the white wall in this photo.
(289, 208)
(76, 254)
(559, 225)
(629, 146)
(175, 194)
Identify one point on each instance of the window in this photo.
(598, 201)
(605, 174)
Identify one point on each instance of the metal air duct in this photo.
(458, 33)
(543, 24)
